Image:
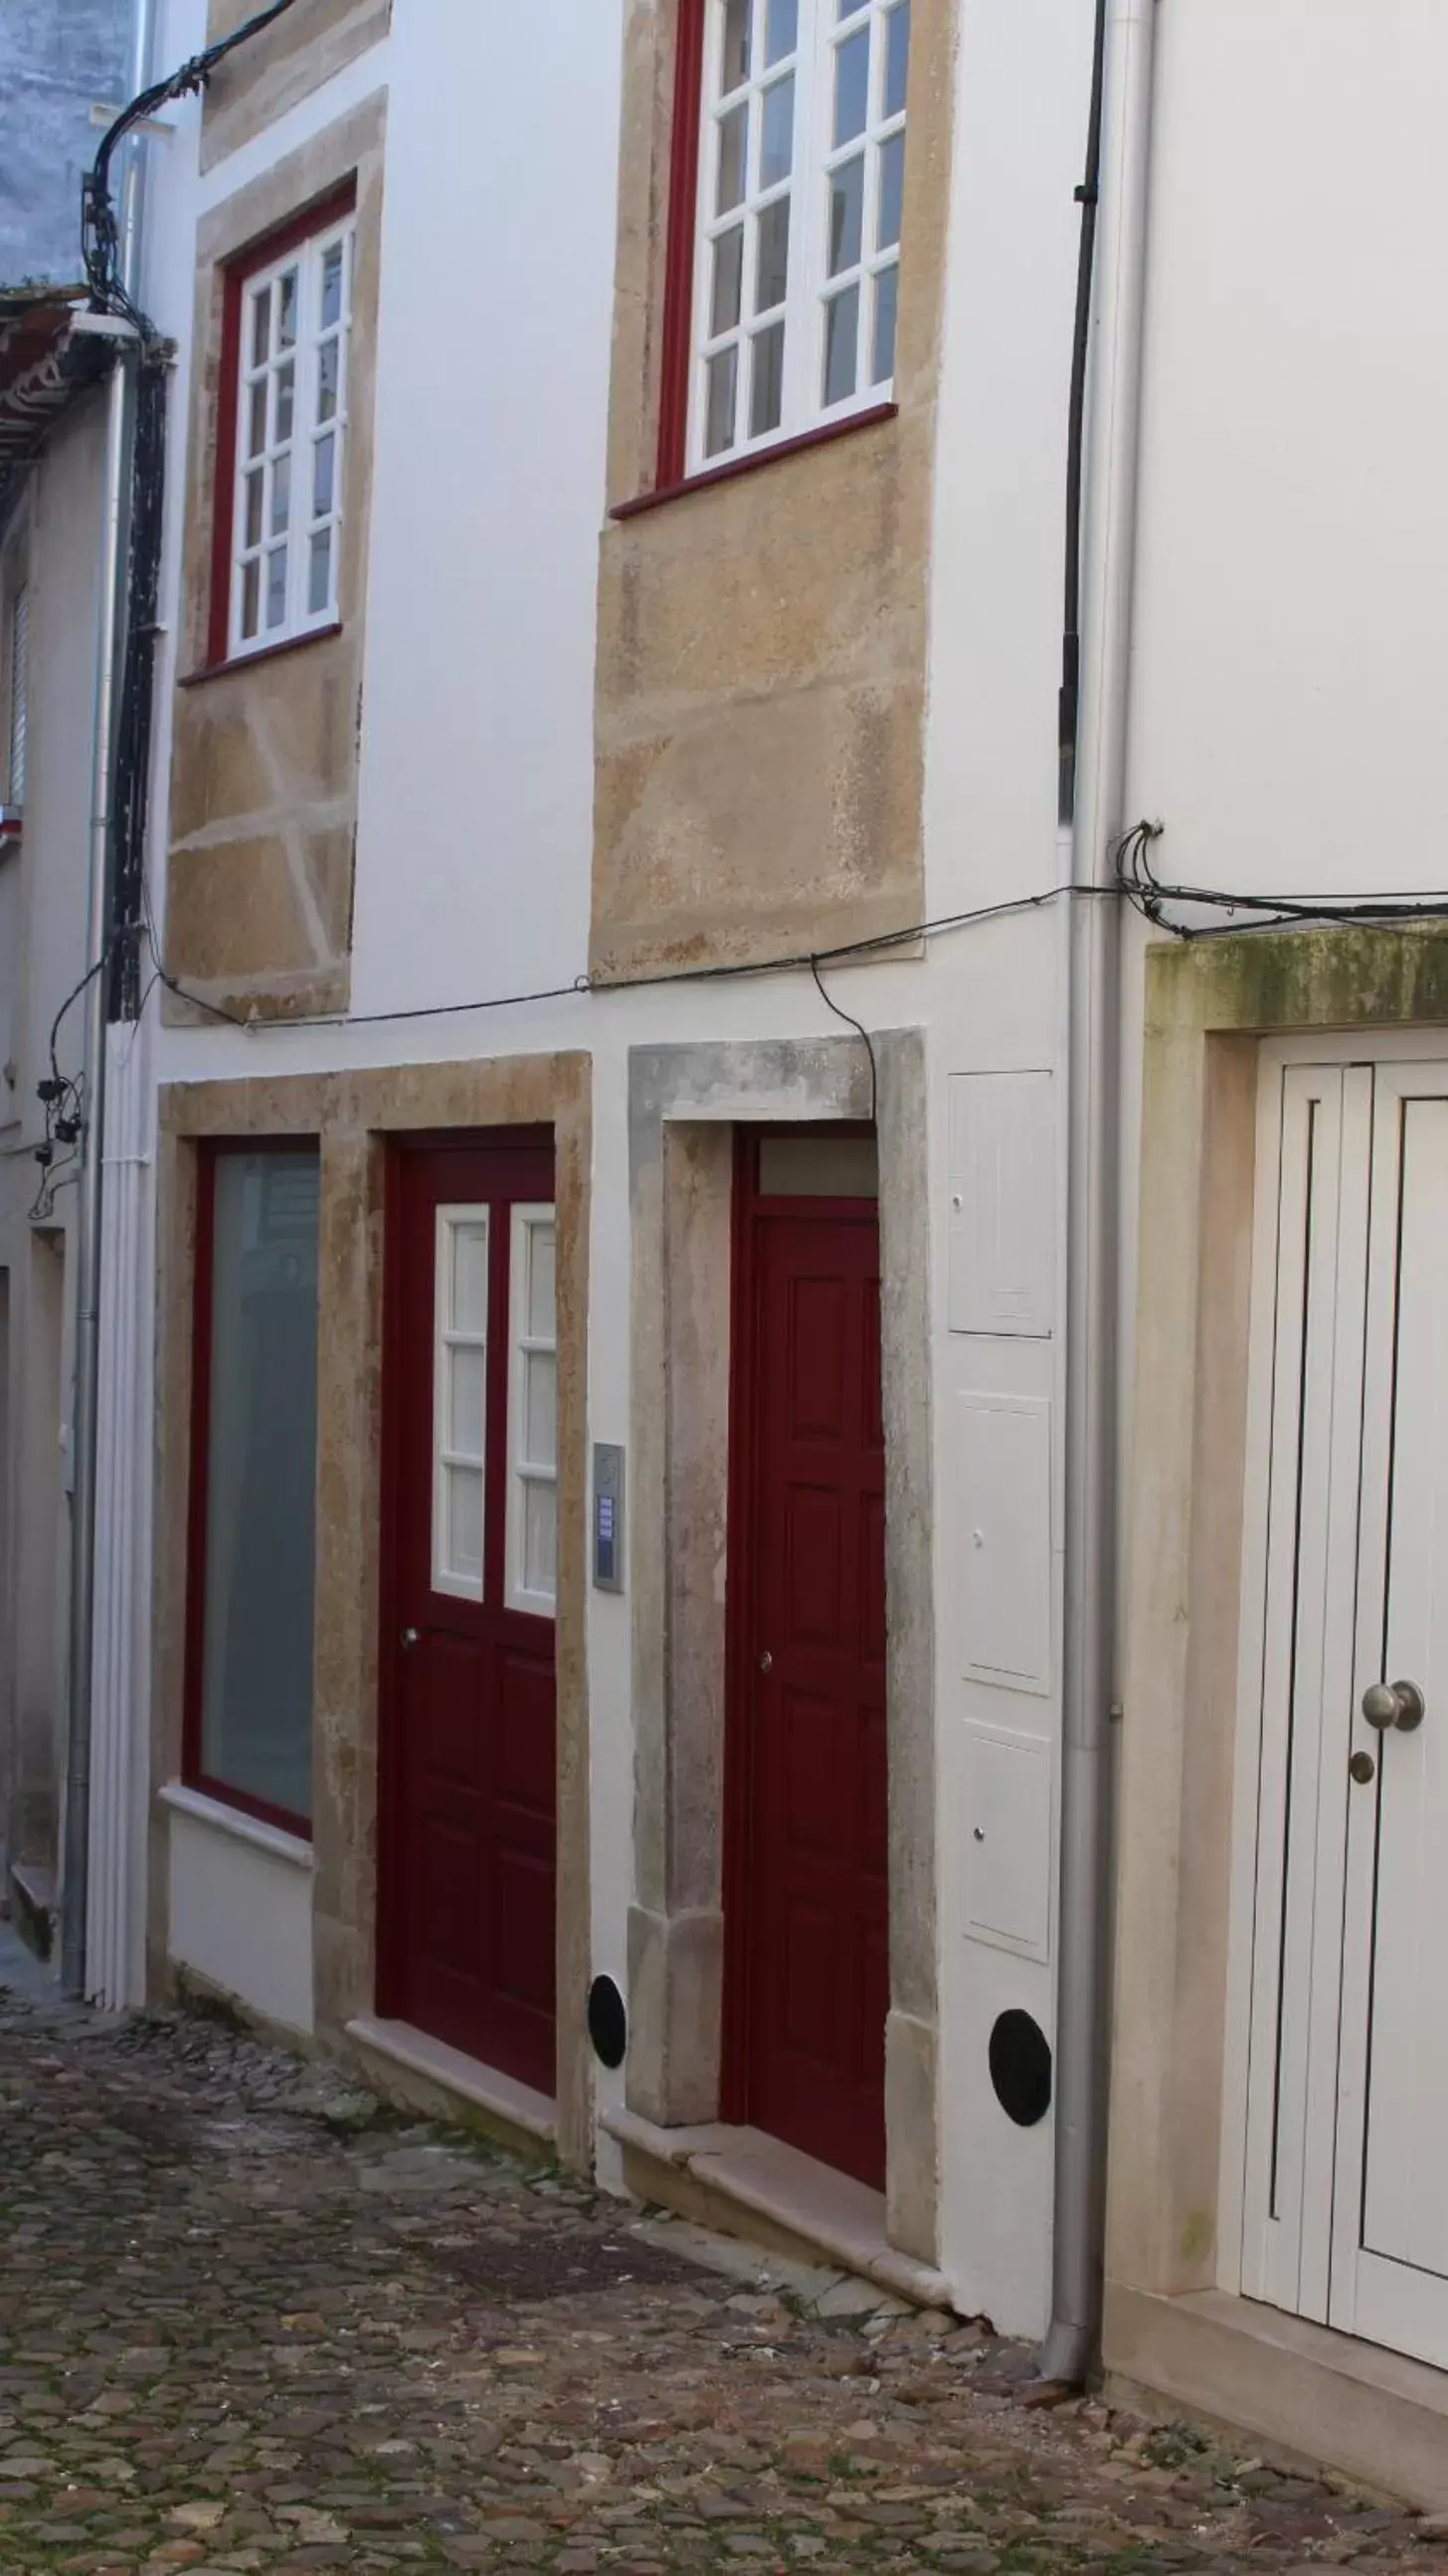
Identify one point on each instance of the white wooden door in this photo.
(1345, 2199)
(1298, 1656)
(1390, 2232)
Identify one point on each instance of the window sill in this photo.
(263, 653)
(227, 1819)
(735, 466)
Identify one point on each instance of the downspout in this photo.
(1107, 564)
(110, 640)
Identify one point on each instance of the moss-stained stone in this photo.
(1301, 979)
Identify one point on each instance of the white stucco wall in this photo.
(474, 834)
(1287, 711)
(240, 1908)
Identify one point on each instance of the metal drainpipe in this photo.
(1109, 524)
(110, 635)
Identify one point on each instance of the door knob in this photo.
(766, 1661)
(1397, 1704)
(409, 1639)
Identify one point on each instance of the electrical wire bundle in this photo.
(1150, 895)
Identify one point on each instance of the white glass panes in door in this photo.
(533, 1416)
(460, 1395)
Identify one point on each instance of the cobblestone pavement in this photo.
(248, 2320)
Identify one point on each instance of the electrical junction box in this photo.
(607, 1516)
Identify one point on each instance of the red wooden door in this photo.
(467, 1825)
(808, 1874)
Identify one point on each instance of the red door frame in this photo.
(470, 1140)
(744, 1376)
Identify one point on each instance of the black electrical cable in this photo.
(1393, 909)
(800, 961)
(852, 1023)
(100, 232)
(1088, 197)
(127, 911)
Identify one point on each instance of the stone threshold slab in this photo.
(748, 2184)
(1323, 2397)
(425, 2074)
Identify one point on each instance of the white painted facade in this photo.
(473, 869)
(1284, 729)
(473, 858)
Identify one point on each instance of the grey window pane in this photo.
(319, 572)
(323, 463)
(847, 210)
(766, 389)
(852, 86)
(331, 286)
(771, 257)
(728, 281)
(256, 1690)
(260, 326)
(276, 586)
(286, 395)
(287, 319)
(783, 33)
(328, 371)
(250, 598)
(281, 508)
(719, 409)
(252, 520)
(733, 158)
(776, 148)
(892, 192)
(842, 331)
(849, 8)
(256, 427)
(735, 67)
(897, 58)
(887, 296)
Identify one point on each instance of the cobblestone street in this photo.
(249, 2320)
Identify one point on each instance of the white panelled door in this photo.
(1345, 1641)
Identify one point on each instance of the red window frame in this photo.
(298, 228)
(671, 475)
(678, 341)
(193, 1773)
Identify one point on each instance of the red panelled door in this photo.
(466, 1946)
(808, 1881)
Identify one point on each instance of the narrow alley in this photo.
(252, 2319)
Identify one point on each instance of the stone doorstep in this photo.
(33, 1907)
(424, 2074)
(1303, 2391)
(748, 2184)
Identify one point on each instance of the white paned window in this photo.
(17, 687)
(290, 442)
(801, 183)
(460, 1401)
(533, 1416)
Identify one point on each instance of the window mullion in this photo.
(703, 251)
(798, 407)
(302, 368)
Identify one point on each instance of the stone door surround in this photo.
(684, 1103)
